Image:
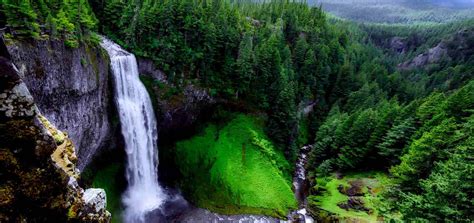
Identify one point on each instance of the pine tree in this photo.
(395, 140)
(245, 64)
(21, 17)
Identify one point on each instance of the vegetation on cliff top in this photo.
(68, 20)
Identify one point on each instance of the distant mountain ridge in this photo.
(399, 11)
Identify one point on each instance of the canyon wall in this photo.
(72, 89)
(38, 181)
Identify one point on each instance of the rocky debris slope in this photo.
(38, 180)
(71, 88)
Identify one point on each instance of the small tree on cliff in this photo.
(21, 17)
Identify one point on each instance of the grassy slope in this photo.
(105, 178)
(235, 169)
(330, 196)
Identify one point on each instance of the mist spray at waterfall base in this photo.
(139, 129)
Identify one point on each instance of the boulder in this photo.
(354, 203)
(355, 188)
(95, 198)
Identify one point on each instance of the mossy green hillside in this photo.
(329, 195)
(106, 178)
(236, 169)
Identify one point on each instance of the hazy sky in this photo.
(453, 3)
(399, 11)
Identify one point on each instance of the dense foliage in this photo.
(271, 56)
(70, 20)
(411, 123)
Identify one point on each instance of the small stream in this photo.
(300, 187)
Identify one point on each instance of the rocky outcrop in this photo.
(38, 180)
(459, 47)
(433, 55)
(96, 199)
(185, 111)
(398, 44)
(146, 67)
(176, 109)
(71, 88)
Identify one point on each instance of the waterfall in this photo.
(139, 130)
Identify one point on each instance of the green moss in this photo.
(83, 62)
(236, 169)
(161, 90)
(106, 178)
(93, 60)
(72, 212)
(329, 195)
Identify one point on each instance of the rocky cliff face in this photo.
(38, 180)
(398, 45)
(433, 55)
(459, 47)
(71, 88)
(176, 110)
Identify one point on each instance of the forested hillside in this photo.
(271, 57)
(387, 108)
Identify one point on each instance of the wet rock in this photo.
(300, 216)
(178, 113)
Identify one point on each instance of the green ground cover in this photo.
(234, 169)
(329, 196)
(106, 178)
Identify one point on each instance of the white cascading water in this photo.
(139, 130)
